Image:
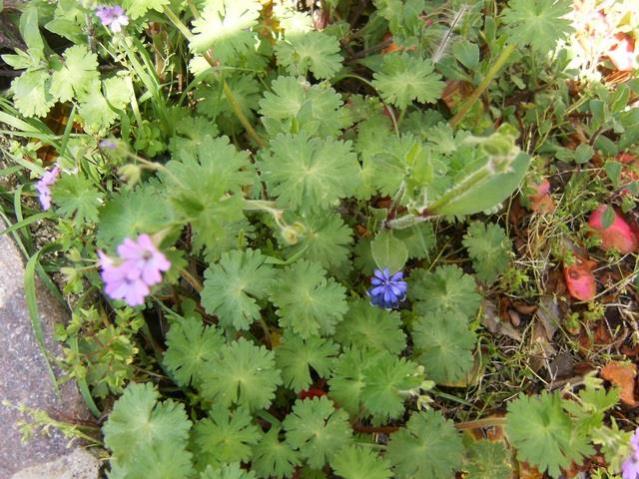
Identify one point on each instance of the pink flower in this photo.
(630, 467)
(44, 186)
(112, 17)
(138, 267)
(143, 258)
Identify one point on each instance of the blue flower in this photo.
(388, 290)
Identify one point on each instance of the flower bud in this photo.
(130, 174)
(292, 233)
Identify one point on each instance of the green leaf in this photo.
(77, 197)
(309, 173)
(234, 285)
(543, 433)
(539, 23)
(307, 302)
(317, 52)
(295, 357)
(241, 374)
(225, 26)
(348, 381)
(130, 213)
(444, 345)
(584, 153)
(97, 110)
(613, 170)
(403, 16)
(388, 381)
(489, 193)
(419, 239)
(206, 187)
(326, 241)
(445, 291)
(489, 248)
(32, 93)
(404, 78)
(488, 460)
(428, 446)
(295, 106)
(467, 54)
(223, 437)
(191, 349)
(370, 328)
(30, 30)
(77, 73)
(138, 8)
(317, 430)
(141, 430)
(227, 471)
(274, 458)
(214, 103)
(360, 462)
(389, 251)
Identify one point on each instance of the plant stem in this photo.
(490, 76)
(175, 20)
(485, 422)
(208, 56)
(195, 283)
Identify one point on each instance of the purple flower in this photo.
(44, 186)
(387, 290)
(121, 283)
(112, 16)
(630, 467)
(107, 144)
(139, 266)
(144, 258)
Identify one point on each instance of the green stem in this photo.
(490, 76)
(430, 211)
(237, 109)
(175, 20)
(208, 56)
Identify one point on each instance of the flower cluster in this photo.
(387, 289)
(112, 17)
(130, 276)
(630, 467)
(44, 186)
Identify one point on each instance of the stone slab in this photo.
(23, 372)
(80, 464)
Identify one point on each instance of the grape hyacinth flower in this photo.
(112, 17)
(387, 289)
(630, 467)
(44, 186)
(139, 266)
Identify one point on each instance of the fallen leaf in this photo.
(526, 471)
(618, 236)
(622, 375)
(491, 320)
(580, 280)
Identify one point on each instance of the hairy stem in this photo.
(490, 76)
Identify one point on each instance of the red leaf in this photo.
(618, 236)
(580, 280)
